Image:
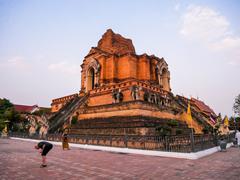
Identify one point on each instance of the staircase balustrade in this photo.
(61, 117)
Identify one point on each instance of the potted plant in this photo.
(223, 144)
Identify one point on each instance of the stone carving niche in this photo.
(92, 74)
(163, 75)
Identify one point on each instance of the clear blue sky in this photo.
(43, 43)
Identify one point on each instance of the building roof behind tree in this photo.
(25, 108)
(202, 107)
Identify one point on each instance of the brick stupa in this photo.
(123, 92)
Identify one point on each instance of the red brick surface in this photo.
(19, 160)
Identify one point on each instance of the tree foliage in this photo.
(5, 104)
(7, 113)
(163, 130)
(236, 105)
(74, 120)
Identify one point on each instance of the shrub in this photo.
(205, 130)
(179, 131)
(172, 123)
(74, 120)
(15, 127)
(163, 130)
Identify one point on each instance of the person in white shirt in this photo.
(238, 137)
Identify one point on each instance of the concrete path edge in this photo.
(191, 156)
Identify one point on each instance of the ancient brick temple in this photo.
(122, 92)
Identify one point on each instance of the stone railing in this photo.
(61, 117)
(186, 143)
(127, 84)
(64, 99)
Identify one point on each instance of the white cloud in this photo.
(17, 62)
(227, 43)
(177, 6)
(231, 47)
(204, 24)
(64, 67)
(208, 27)
(234, 63)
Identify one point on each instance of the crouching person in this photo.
(45, 147)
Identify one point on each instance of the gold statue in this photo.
(5, 130)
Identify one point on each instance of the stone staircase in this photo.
(58, 120)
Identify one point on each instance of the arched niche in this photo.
(90, 79)
(92, 73)
(165, 81)
(163, 75)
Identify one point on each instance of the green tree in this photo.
(234, 123)
(5, 104)
(2, 124)
(236, 105)
(7, 112)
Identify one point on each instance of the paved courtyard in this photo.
(19, 160)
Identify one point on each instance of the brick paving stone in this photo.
(19, 160)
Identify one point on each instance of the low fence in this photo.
(182, 143)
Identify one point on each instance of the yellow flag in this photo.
(226, 121)
(189, 114)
